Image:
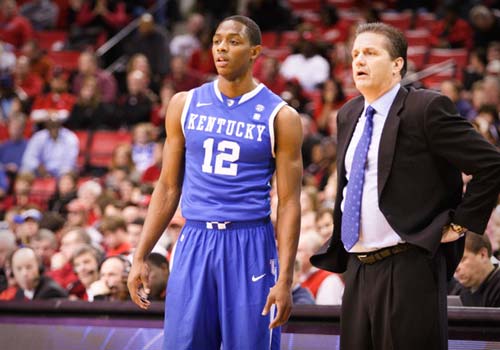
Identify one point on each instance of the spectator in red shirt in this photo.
(27, 84)
(98, 19)
(451, 31)
(152, 173)
(159, 111)
(14, 28)
(114, 231)
(40, 63)
(201, 59)
(58, 103)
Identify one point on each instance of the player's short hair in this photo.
(252, 29)
(474, 243)
(397, 44)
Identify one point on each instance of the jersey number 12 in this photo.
(224, 161)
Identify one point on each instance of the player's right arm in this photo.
(164, 200)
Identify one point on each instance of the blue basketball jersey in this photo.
(229, 156)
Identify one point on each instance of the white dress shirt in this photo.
(374, 230)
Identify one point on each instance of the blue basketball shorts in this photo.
(218, 286)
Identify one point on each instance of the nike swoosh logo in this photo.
(201, 104)
(256, 278)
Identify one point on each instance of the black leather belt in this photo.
(378, 255)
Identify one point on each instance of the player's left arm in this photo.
(288, 133)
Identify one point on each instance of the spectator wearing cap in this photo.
(58, 103)
(14, 28)
(31, 283)
(28, 225)
(52, 151)
(114, 231)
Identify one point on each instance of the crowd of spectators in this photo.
(78, 242)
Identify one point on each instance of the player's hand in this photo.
(137, 284)
(281, 296)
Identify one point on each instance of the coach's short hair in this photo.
(397, 44)
(252, 29)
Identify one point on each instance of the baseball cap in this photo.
(33, 214)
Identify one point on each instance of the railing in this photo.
(113, 41)
(465, 323)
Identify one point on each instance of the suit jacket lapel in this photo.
(388, 140)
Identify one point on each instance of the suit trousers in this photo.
(398, 303)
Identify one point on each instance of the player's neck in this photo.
(237, 87)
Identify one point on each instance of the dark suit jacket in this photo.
(425, 145)
(47, 289)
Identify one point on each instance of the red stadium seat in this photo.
(434, 81)
(269, 39)
(68, 60)
(83, 138)
(48, 39)
(459, 56)
(103, 144)
(312, 5)
(400, 20)
(417, 37)
(425, 19)
(418, 55)
(343, 4)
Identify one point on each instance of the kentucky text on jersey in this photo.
(223, 126)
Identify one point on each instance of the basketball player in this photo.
(225, 141)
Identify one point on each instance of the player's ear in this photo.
(255, 51)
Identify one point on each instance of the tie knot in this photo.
(370, 111)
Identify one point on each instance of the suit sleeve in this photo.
(455, 140)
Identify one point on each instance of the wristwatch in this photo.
(458, 229)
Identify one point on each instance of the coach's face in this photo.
(232, 51)
(374, 71)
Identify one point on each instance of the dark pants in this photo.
(398, 303)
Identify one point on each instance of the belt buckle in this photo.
(217, 225)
